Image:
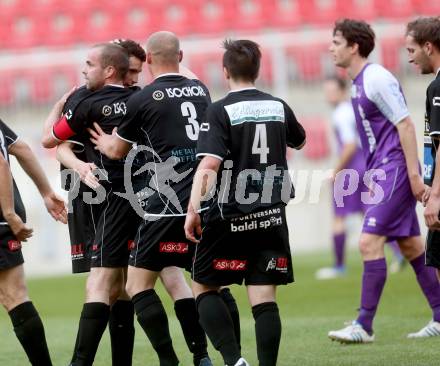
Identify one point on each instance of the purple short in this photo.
(395, 215)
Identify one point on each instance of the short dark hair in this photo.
(425, 29)
(133, 48)
(242, 59)
(340, 82)
(357, 31)
(116, 56)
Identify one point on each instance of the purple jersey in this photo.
(379, 105)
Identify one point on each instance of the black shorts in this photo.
(10, 249)
(254, 248)
(116, 224)
(82, 233)
(433, 249)
(162, 243)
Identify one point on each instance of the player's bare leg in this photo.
(186, 312)
(151, 313)
(414, 251)
(216, 320)
(267, 323)
(28, 326)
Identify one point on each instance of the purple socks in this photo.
(339, 249)
(373, 281)
(428, 282)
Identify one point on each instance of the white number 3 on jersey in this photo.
(192, 129)
(259, 147)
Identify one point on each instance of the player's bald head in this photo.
(164, 47)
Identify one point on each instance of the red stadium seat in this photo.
(251, 14)
(317, 146)
(98, 23)
(23, 29)
(208, 67)
(285, 14)
(266, 72)
(137, 20)
(357, 9)
(308, 60)
(212, 16)
(390, 50)
(63, 28)
(7, 89)
(175, 16)
(394, 9)
(424, 7)
(41, 87)
(319, 12)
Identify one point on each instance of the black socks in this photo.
(268, 332)
(121, 329)
(30, 332)
(229, 300)
(94, 319)
(195, 337)
(153, 319)
(217, 323)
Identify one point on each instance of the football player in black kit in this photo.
(27, 323)
(243, 140)
(105, 70)
(121, 315)
(164, 120)
(80, 219)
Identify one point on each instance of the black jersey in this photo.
(106, 106)
(249, 131)
(432, 127)
(164, 119)
(8, 138)
(70, 106)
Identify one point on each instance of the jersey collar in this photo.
(116, 85)
(437, 73)
(168, 74)
(242, 89)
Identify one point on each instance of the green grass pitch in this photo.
(309, 309)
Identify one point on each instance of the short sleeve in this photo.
(205, 89)
(10, 137)
(214, 135)
(434, 108)
(7, 139)
(130, 127)
(72, 123)
(295, 134)
(383, 89)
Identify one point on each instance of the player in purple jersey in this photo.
(349, 168)
(423, 45)
(390, 148)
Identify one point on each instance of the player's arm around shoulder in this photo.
(28, 161)
(48, 140)
(66, 156)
